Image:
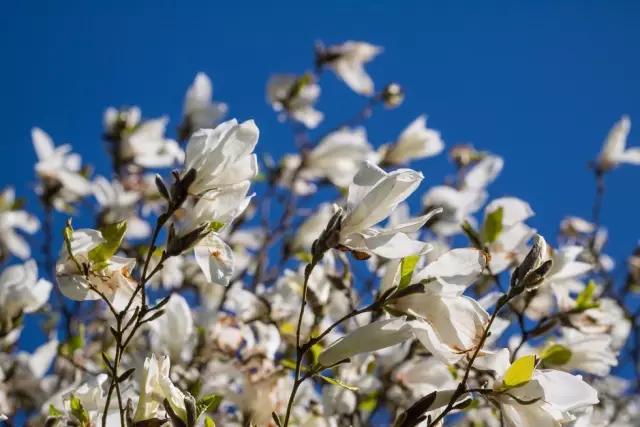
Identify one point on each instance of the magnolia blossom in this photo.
(297, 96)
(449, 324)
(151, 392)
(21, 291)
(222, 156)
(60, 170)
(199, 109)
(338, 157)
(550, 398)
(615, 151)
(457, 206)
(588, 353)
(173, 333)
(146, 145)
(119, 204)
(347, 61)
(112, 278)
(12, 219)
(311, 228)
(415, 142)
(373, 195)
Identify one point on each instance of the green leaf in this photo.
(67, 234)
(338, 383)
(208, 422)
(555, 354)
(208, 403)
(113, 235)
(585, 301)
(55, 412)
(407, 265)
(288, 363)
(75, 342)
(369, 402)
(215, 225)
(520, 371)
(492, 226)
(78, 411)
(304, 256)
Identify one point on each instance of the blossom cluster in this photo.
(214, 287)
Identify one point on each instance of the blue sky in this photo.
(537, 82)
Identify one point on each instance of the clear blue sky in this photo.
(538, 82)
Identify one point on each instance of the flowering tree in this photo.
(321, 301)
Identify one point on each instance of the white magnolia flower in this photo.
(116, 120)
(588, 353)
(448, 323)
(373, 195)
(222, 156)
(151, 393)
(347, 61)
(457, 206)
(199, 109)
(297, 96)
(59, 169)
(615, 151)
(339, 156)
(92, 395)
(13, 219)
(415, 142)
(550, 399)
(147, 146)
(118, 204)
(311, 228)
(511, 242)
(173, 333)
(368, 338)
(482, 173)
(21, 291)
(113, 278)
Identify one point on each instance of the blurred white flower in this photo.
(21, 291)
(199, 109)
(149, 384)
(12, 219)
(347, 61)
(588, 353)
(296, 95)
(118, 204)
(614, 150)
(415, 142)
(173, 333)
(147, 146)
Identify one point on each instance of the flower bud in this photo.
(392, 95)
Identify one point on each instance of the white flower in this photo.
(311, 228)
(297, 96)
(21, 291)
(113, 278)
(373, 195)
(199, 109)
(150, 391)
(347, 61)
(173, 332)
(483, 173)
(12, 220)
(614, 150)
(215, 259)
(368, 338)
(552, 397)
(115, 120)
(57, 166)
(339, 156)
(589, 353)
(222, 156)
(146, 145)
(457, 206)
(449, 324)
(119, 204)
(415, 142)
(92, 395)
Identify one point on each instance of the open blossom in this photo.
(615, 151)
(549, 398)
(12, 220)
(222, 156)
(415, 142)
(588, 353)
(173, 333)
(112, 277)
(373, 195)
(146, 145)
(295, 95)
(21, 291)
(338, 156)
(60, 171)
(199, 110)
(347, 61)
(118, 204)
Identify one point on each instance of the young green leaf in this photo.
(112, 235)
(555, 354)
(584, 300)
(407, 265)
(520, 371)
(492, 226)
(338, 383)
